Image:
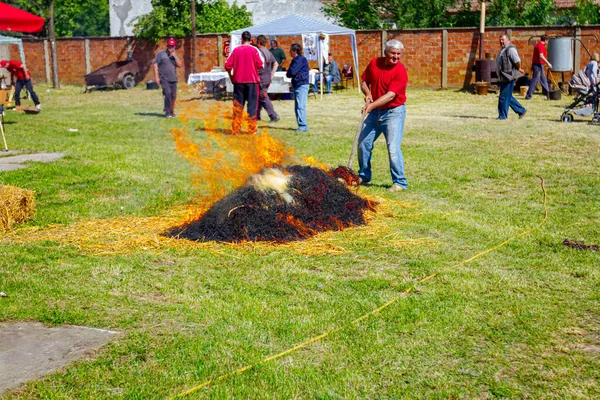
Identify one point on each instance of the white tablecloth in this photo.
(207, 77)
(311, 76)
(279, 84)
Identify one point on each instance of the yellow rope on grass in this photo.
(375, 311)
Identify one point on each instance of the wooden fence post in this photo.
(577, 51)
(88, 63)
(444, 59)
(47, 61)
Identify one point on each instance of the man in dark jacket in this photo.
(298, 71)
(508, 69)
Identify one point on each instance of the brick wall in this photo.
(422, 55)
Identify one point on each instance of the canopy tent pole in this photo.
(320, 58)
(21, 51)
(18, 42)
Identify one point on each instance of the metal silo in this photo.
(560, 54)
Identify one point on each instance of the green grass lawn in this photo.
(520, 322)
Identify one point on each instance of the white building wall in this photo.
(267, 10)
(123, 12)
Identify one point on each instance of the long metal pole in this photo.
(194, 54)
(482, 30)
(55, 81)
(355, 143)
(3, 137)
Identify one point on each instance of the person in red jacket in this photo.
(537, 66)
(20, 74)
(243, 65)
(384, 83)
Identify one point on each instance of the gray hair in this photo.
(393, 44)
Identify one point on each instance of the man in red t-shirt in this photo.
(243, 65)
(537, 68)
(384, 86)
(20, 74)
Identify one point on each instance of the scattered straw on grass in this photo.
(16, 206)
(127, 234)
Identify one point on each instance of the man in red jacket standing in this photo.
(384, 86)
(20, 74)
(243, 65)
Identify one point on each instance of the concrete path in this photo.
(30, 350)
(11, 163)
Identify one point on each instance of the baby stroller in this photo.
(586, 102)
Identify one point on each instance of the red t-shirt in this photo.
(15, 68)
(537, 50)
(245, 62)
(382, 78)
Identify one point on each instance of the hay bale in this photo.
(16, 206)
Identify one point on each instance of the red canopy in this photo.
(13, 19)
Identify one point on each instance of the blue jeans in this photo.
(390, 122)
(300, 99)
(538, 76)
(27, 85)
(507, 99)
(327, 78)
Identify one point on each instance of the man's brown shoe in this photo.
(395, 188)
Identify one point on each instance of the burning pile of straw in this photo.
(279, 205)
(271, 201)
(16, 206)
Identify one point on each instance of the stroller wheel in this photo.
(566, 117)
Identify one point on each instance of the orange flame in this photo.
(225, 159)
(303, 230)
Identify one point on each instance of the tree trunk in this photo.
(55, 82)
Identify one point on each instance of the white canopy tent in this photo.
(11, 40)
(297, 25)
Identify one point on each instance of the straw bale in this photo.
(129, 234)
(16, 206)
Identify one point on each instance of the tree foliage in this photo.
(356, 14)
(586, 12)
(386, 14)
(521, 12)
(173, 18)
(421, 13)
(71, 17)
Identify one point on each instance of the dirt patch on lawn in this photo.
(30, 350)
